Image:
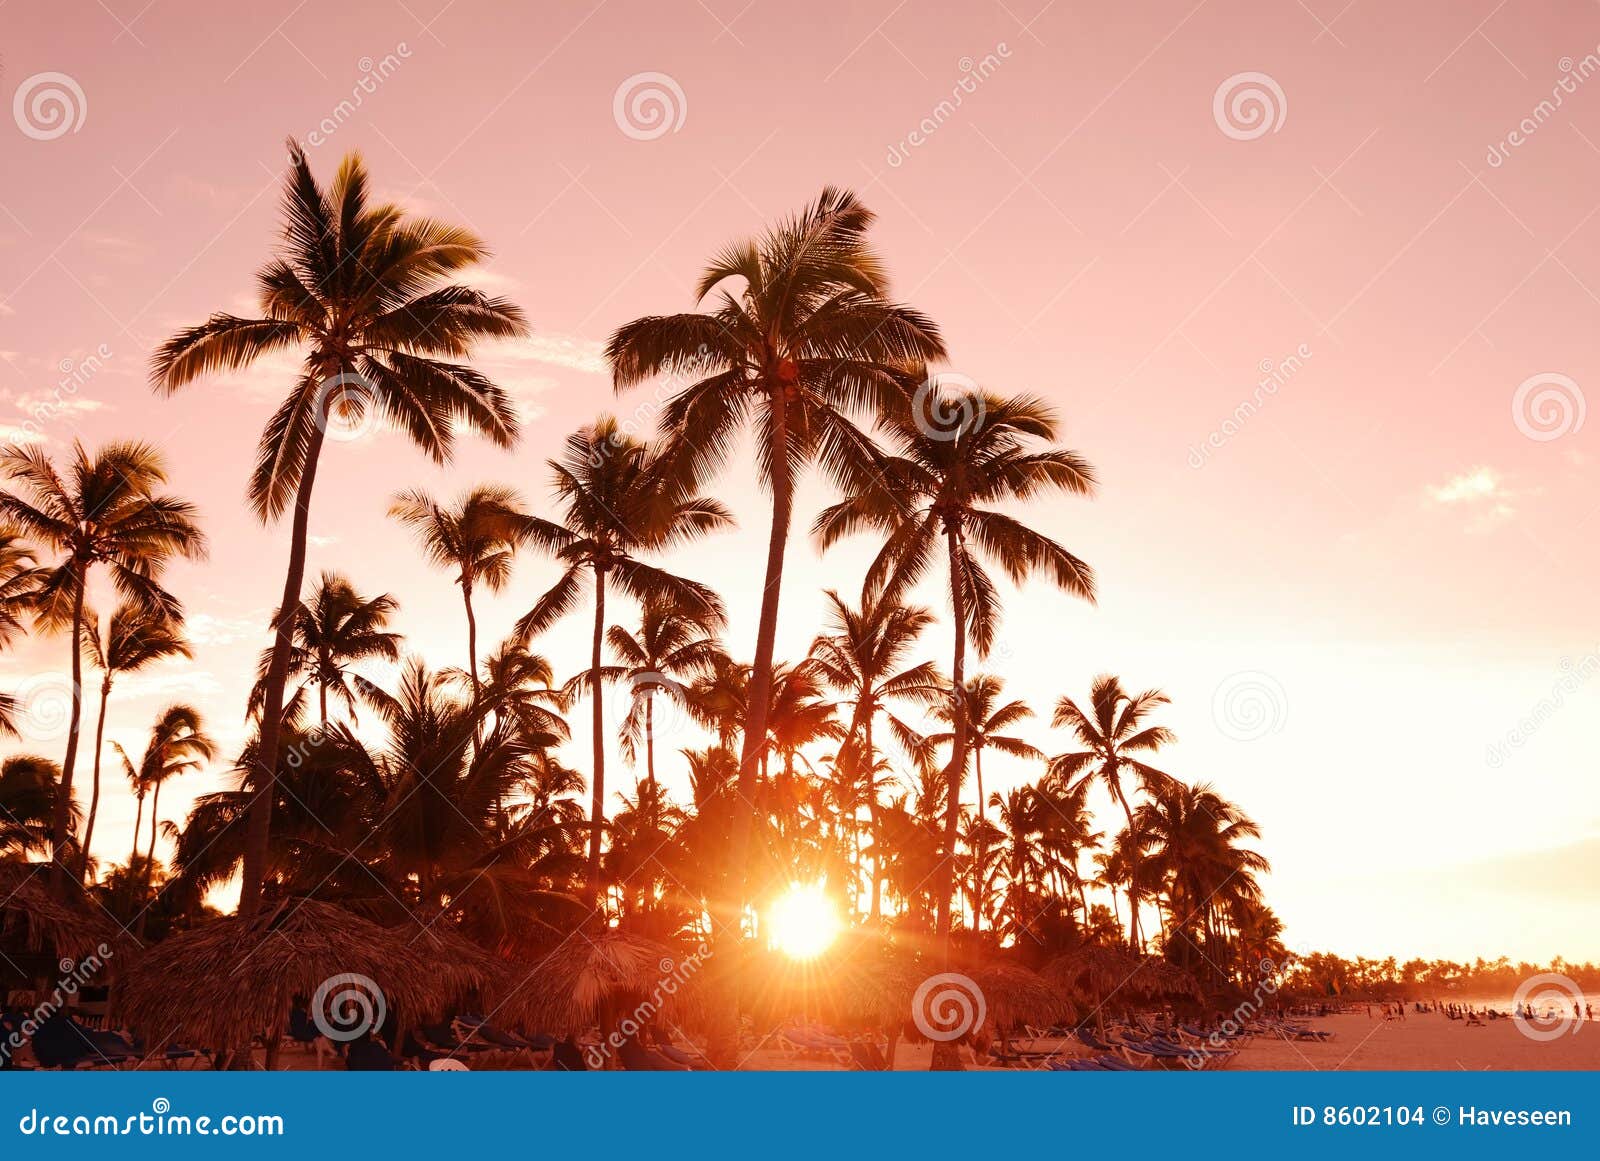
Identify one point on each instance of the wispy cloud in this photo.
(1482, 493)
(552, 348)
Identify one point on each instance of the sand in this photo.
(1425, 1041)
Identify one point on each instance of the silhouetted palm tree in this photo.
(1112, 731)
(29, 786)
(477, 537)
(361, 289)
(135, 637)
(617, 502)
(20, 576)
(952, 457)
(799, 337)
(983, 720)
(330, 632)
(108, 513)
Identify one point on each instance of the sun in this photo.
(804, 922)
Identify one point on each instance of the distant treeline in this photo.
(1323, 973)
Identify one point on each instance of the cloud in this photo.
(552, 348)
(205, 629)
(1482, 493)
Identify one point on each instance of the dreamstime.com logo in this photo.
(1248, 706)
(1548, 406)
(1249, 105)
(348, 1006)
(947, 406)
(49, 105)
(948, 1006)
(43, 710)
(1542, 994)
(649, 105)
(674, 975)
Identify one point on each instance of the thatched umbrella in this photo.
(1098, 976)
(33, 919)
(231, 980)
(1163, 979)
(613, 977)
(1015, 996)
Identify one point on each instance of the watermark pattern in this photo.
(1249, 105)
(1573, 74)
(75, 375)
(1574, 676)
(345, 407)
(674, 975)
(74, 975)
(649, 105)
(973, 74)
(1548, 406)
(947, 406)
(348, 1006)
(160, 1121)
(1274, 376)
(948, 1006)
(1249, 705)
(44, 707)
(373, 75)
(1536, 996)
(49, 105)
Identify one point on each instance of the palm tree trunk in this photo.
(94, 795)
(873, 821)
(650, 757)
(150, 858)
(259, 824)
(977, 769)
(138, 821)
(723, 1036)
(61, 815)
(945, 1057)
(597, 798)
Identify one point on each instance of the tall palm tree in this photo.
(668, 651)
(798, 337)
(477, 537)
(952, 457)
(107, 512)
(135, 637)
(1113, 732)
(983, 721)
(361, 289)
(329, 633)
(617, 501)
(862, 659)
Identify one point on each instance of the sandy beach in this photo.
(1424, 1041)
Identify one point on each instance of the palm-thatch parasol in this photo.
(32, 919)
(1097, 975)
(1161, 978)
(224, 983)
(1015, 996)
(593, 979)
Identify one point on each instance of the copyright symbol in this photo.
(1441, 1116)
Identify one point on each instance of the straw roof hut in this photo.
(1110, 978)
(34, 920)
(1015, 996)
(590, 980)
(220, 985)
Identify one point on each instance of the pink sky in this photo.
(1379, 549)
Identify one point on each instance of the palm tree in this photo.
(329, 633)
(861, 659)
(939, 481)
(477, 537)
(1112, 730)
(799, 336)
(134, 638)
(178, 744)
(617, 501)
(669, 650)
(1194, 835)
(361, 289)
(983, 720)
(107, 511)
(20, 575)
(29, 786)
